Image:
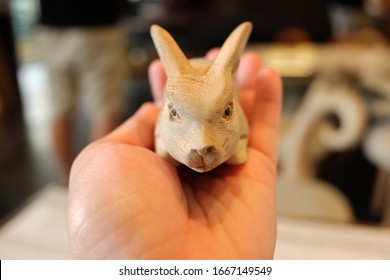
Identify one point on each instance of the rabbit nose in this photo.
(205, 150)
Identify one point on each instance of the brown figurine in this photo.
(201, 122)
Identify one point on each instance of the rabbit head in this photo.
(201, 120)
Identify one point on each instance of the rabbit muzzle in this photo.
(203, 159)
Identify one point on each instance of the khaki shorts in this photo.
(90, 61)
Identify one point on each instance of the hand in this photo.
(128, 203)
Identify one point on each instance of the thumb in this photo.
(137, 130)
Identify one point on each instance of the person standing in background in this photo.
(83, 47)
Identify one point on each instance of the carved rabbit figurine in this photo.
(201, 123)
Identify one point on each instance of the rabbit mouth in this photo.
(201, 168)
(199, 164)
(202, 162)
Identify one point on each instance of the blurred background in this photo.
(334, 171)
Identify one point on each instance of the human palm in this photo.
(126, 202)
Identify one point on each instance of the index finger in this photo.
(138, 130)
(265, 117)
(157, 79)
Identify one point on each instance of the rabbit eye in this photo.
(173, 114)
(228, 111)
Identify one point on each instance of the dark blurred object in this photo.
(20, 173)
(347, 18)
(78, 13)
(292, 35)
(351, 172)
(209, 22)
(379, 10)
(272, 16)
(198, 26)
(351, 3)
(377, 7)
(10, 103)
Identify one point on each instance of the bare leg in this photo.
(100, 128)
(63, 146)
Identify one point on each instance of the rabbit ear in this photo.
(229, 55)
(172, 57)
